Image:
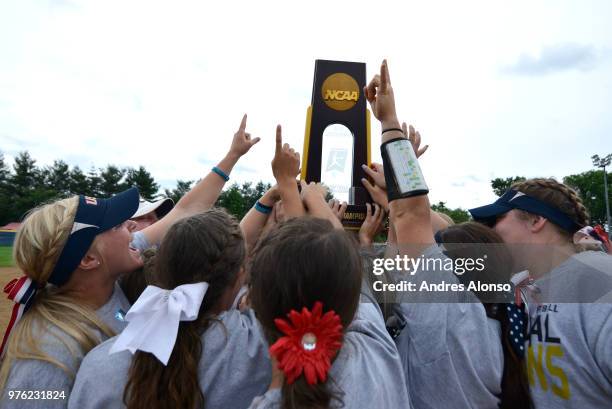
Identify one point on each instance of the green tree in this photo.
(590, 187)
(252, 194)
(5, 199)
(238, 199)
(111, 180)
(57, 177)
(27, 187)
(4, 169)
(79, 185)
(458, 215)
(93, 181)
(500, 185)
(143, 181)
(26, 175)
(232, 200)
(182, 187)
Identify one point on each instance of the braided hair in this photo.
(559, 196)
(36, 249)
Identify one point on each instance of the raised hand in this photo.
(286, 162)
(379, 94)
(415, 139)
(242, 141)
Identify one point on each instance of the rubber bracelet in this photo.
(220, 173)
(393, 129)
(262, 208)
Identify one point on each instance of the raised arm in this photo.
(409, 215)
(252, 224)
(286, 167)
(204, 195)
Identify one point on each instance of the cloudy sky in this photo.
(497, 88)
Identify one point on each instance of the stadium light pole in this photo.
(602, 163)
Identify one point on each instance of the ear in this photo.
(90, 261)
(537, 223)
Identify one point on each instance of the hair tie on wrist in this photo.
(260, 207)
(220, 173)
(393, 129)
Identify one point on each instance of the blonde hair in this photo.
(446, 218)
(559, 196)
(37, 247)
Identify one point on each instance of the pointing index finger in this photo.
(243, 123)
(279, 138)
(385, 80)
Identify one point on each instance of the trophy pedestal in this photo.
(356, 213)
(354, 217)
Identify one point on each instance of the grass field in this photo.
(7, 273)
(5, 256)
(6, 306)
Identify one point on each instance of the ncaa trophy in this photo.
(338, 107)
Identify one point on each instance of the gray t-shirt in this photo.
(569, 348)
(451, 352)
(234, 368)
(37, 375)
(367, 369)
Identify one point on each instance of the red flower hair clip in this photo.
(311, 340)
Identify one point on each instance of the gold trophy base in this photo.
(354, 216)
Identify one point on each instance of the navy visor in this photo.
(93, 216)
(514, 199)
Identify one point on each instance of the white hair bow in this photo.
(154, 319)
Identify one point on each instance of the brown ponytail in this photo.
(302, 395)
(514, 384)
(559, 196)
(207, 247)
(302, 261)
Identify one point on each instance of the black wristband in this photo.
(393, 129)
(403, 175)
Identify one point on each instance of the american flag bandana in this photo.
(21, 291)
(517, 320)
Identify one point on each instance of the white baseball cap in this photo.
(161, 207)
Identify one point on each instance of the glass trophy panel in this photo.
(336, 160)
